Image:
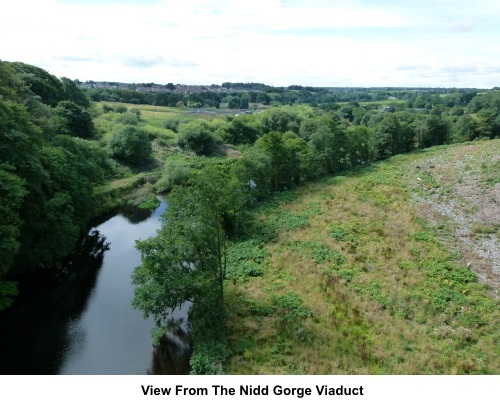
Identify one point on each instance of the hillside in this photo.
(391, 269)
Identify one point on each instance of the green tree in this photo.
(131, 145)
(388, 137)
(281, 159)
(48, 87)
(277, 119)
(12, 191)
(329, 146)
(254, 172)
(233, 102)
(360, 145)
(245, 101)
(243, 129)
(73, 93)
(186, 260)
(46, 180)
(75, 120)
(197, 136)
(428, 130)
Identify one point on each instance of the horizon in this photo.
(389, 88)
(317, 43)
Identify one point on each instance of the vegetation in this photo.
(364, 284)
(131, 145)
(292, 220)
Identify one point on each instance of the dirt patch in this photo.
(458, 188)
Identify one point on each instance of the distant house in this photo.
(391, 98)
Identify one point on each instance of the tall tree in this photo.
(75, 120)
(388, 137)
(186, 260)
(73, 93)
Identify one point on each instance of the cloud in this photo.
(77, 58)
(412, 67)
(314, 42)
(177, 63)
(461, 25)
(143, 61)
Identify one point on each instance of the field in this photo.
(389, 269)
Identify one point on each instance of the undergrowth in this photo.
(342, 277)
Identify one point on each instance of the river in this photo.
(78, 319)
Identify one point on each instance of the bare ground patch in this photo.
(459, 188)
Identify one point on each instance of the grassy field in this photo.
(389, 269)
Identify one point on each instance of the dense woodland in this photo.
(62, 145)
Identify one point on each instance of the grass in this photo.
(138, 186)
(353, 280)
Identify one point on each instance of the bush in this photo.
(120, 109)
(127, 118)
(130, 145)
(197, 137)
(175, 173)
(171, 123)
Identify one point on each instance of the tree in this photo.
(233, 102)
(388, 137)
(12, 191)
(186, 260)
(329, 145)
(131, 145)
(73, 93)
(245, 101)
(276, 119)
(360, 145)
(75, 120)
(254, 172)
(197, 137)
(48, 87)
(243, 129)
(281, 159)
(46, 179)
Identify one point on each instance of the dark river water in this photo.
(79, 320)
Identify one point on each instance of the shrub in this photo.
(197, 137)
(175, 173)
(130, 145)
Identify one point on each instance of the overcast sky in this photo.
(436, 43)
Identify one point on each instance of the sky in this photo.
(348, 43)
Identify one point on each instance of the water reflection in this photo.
(33, 330)
(175, 347)
(135, 215)
(79, 320)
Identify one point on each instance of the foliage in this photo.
(12, 191)
(47, 178)
(74, 120)
(40, 82)
(73, 93)
(175, 173)
(291, 309)
(317, 251)
(187, 260)
(131, 145)
(283, 161)
(246, 259)
(243, 129)
(197, 137)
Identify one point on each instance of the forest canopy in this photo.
(47, 169)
